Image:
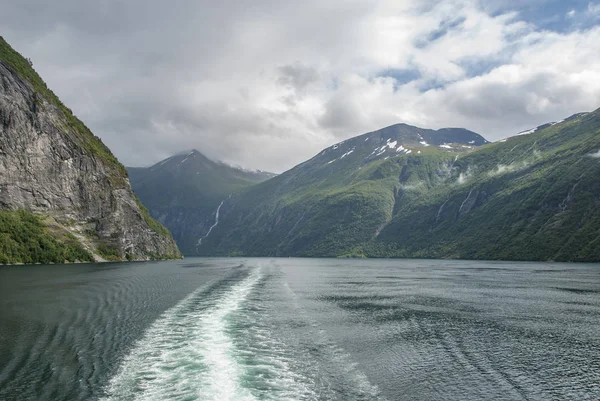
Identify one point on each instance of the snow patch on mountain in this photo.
(347, 153)
(342, 156)
(531, 131)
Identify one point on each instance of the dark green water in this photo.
(300, 329)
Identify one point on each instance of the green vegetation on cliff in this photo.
(334, 203)
(153, 224)
(531, 197)
(49, 155)
(24, 238)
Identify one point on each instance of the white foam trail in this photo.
(271, 366)
(223, 375)
(187, 353)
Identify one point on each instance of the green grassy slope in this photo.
(533, 197)
(338, 200)
(24, 238)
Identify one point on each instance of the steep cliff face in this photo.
(53, 166)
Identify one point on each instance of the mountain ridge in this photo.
(350, 176)
(352, 200)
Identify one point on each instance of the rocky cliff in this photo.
(51, 165)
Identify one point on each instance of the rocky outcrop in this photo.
(51, 165)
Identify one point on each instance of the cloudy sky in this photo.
(268, 83)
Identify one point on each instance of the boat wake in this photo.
(187, 354)
(232, 340)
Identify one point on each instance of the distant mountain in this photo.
(184, 192)
(407, 192)
(339, 199)
(63, 194)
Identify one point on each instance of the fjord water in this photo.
(300, 329)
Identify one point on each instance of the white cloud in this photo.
(594, 8)
(595, 155)
(503, 168)
(270, 85)
(465, 176)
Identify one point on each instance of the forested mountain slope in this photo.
(184, 192)
(399, 192)
(339, 199)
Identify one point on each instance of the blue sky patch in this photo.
(552, 15)
(402, 76)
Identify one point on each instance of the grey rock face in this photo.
(46, 169)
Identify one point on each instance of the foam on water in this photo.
(187, 354)
(300, 329)
(225, 342)
(272, 368)
(222, 378)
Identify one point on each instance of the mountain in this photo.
(63, 195)
(407, 192)
(184, 192)
(340, 198)
(530, 197)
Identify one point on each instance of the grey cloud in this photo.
(298, 76)
(542, 98)
(252, 82)
(341, 112)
